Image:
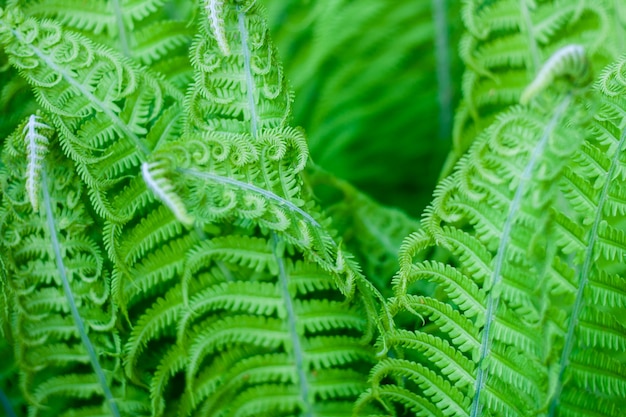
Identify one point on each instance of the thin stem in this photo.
(91, 352)
(585, 271)
(6, 405)
(119, 19)
(532, 42)
(444, 78)
(496, 278)
(293, 330)
(250, 187)
(243, 30)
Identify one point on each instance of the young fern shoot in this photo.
(569, 62)
(36, 149)
(153, 175)
(215, 13)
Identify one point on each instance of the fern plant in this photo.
(507, 42)
(528, 321)
(169, 247)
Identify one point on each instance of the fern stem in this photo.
(585, 271)
(493, 300)
(123, 37)
(532, 42)
(88, 94)
(243, 31)
(6, 405)
(293, 330)
(444, 79)
(250, 187)
(91, 352)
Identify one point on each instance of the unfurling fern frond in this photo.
(505, 46)
(569, 62)
(251, 296)
(36, 149)
(163, 189)
(103, 107)
(62, 326)
(254, 100)
(238, 139)
(483, 350)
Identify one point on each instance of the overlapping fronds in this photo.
(507, 43)
(484, 349)
(249, 325)
(61, 316)
(103, 106)
(168, 247)
(151, 32)
(219, 229)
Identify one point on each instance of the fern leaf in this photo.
(63, 318)
(143, 30)
(73, 78)
(600, 246)
(504, 48)
(489, 349)
(251, 318)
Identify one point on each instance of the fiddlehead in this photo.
(237, 172)
(36, 149)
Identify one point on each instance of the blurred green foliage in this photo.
(375, 85)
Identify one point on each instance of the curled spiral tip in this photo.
(215, 14)
(154, 176)
(569, 63)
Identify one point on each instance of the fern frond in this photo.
(482, 352)
(253, 321)
(100, 103)
(62, 314)
(159, 41)
(504, 49)
(143, 30)
(591, 330)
